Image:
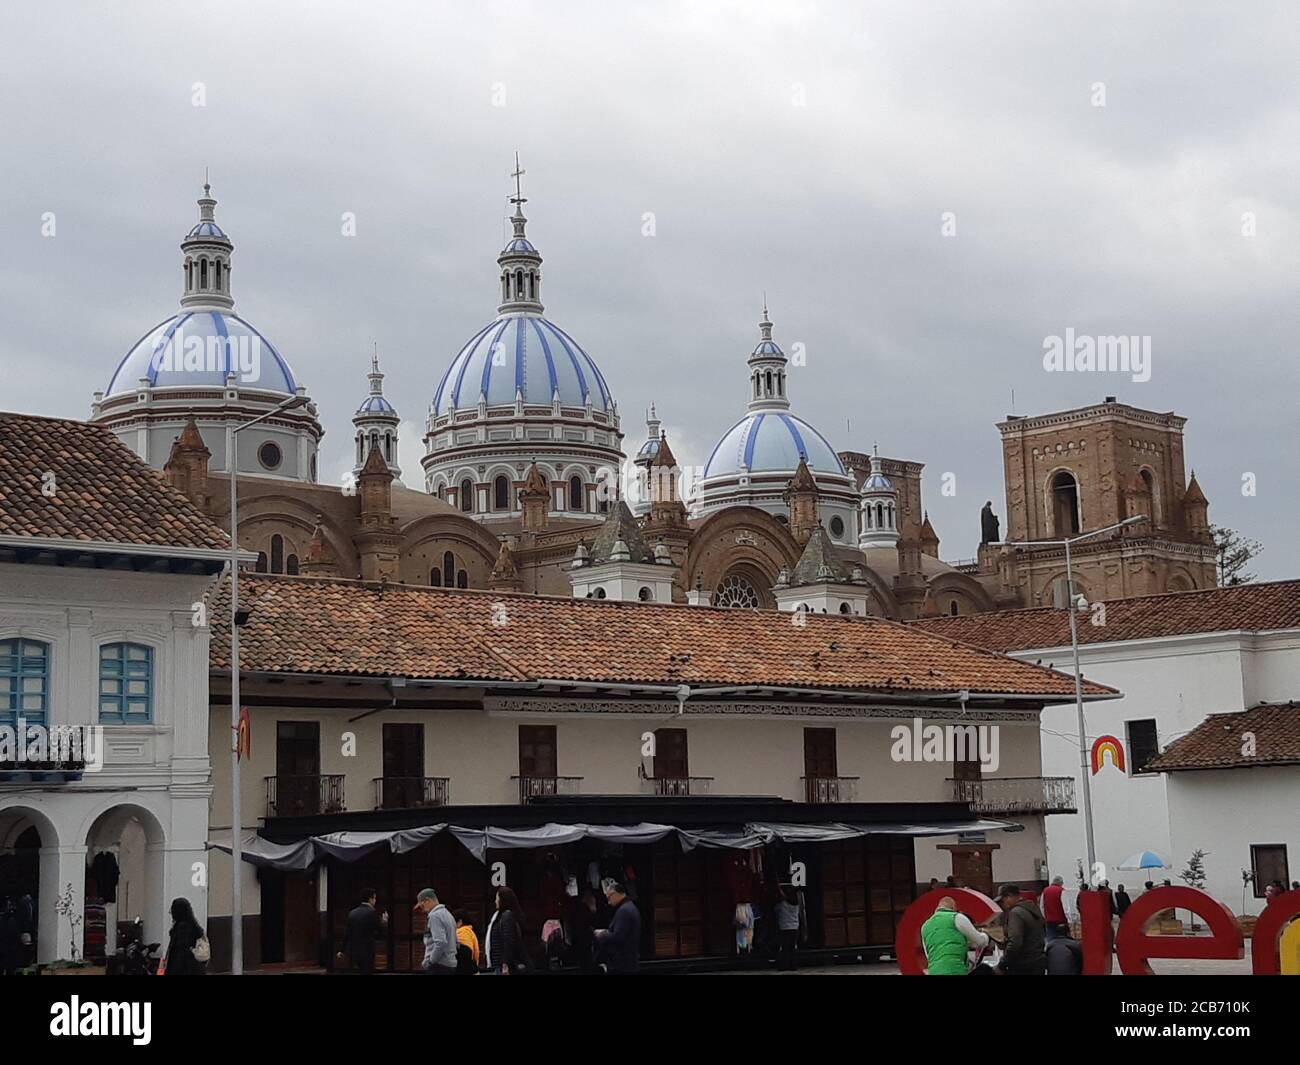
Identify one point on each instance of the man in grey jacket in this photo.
(439, 934)
(1024, 951)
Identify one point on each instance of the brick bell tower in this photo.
(1071, 472)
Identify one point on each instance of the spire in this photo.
(375, 423)
(505, 574)
(520, 262)
(767, 369)
(206, 265)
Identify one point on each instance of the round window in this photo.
(837, 526)
(269, 455)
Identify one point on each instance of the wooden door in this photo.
(538, 751)
(974, 869)
(403, 784)
(819, 761)
(301, 919)
(672, 759)
(297, 768)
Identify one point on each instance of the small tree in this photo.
(1247, 878)
(1235, 552)
(64, 906)
(1194, 876)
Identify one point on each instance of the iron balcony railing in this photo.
(406, 793)
(530, 787)
(677, 786)
(302, 796)
(1017, 795)
(830, 789)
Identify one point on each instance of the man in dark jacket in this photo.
(365, 925)
(1024, 947)
(618, 947)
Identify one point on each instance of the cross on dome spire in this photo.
(520, 262)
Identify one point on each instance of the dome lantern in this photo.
(207, 259)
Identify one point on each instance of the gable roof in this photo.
(346, 628)
(102, 493)
(1242, 607)
(1217, 742)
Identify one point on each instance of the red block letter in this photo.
(1134, 947)
(1268, 932)
(907, 944)
(1094, 916)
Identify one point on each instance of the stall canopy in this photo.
(350, 846)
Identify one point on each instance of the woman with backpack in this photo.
(505, 935)
(187, 946)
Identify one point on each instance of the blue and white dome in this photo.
(771, 441)
(536, 358)
(376, 405)
(207, 229)
(159, 355)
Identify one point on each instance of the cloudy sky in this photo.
(1109, 168)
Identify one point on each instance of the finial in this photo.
(207, 188)
(765, 303)
(518, 199)
(875, 449)
(374, 359)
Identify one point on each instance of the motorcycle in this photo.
(136, 957)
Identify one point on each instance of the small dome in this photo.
(648, 450)
(159, 355)
(519, 246)
(376, 405)
(771, 441)
(207, 229)
(537, 359)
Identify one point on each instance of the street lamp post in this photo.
(1076, 604)
(236, 816)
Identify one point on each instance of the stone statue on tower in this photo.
(989, 525)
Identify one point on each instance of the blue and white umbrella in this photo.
(1144, 860)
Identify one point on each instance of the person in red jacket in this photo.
(1054, 919)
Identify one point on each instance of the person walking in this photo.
(1056, 924)
(439, 934)
(187, 946)
(365, 924)
(946, 936)
(618, 947)
(505, 935)
(787, 925)
(1024, 950)
(467, 938)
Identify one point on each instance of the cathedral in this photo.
(528, 487)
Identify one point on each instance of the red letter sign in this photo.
(907, 944)
(1268, 932)
(1135, 947)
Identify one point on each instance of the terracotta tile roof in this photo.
(102, 491)
(1244, 607)
(342, 627)
(1216, 743)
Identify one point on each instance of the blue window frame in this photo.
(24, 681)
(125, 684)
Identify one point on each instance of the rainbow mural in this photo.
(1103, 746)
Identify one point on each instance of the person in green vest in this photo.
(946, 937)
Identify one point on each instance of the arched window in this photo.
(768, 381)
(532, 286)
(736, 591)
(388, 447)
(466, 496)
(361, 443)
(646, 595)
(1065, 503)
(203, 273)
(501, 493)
(880, 515)
(291, 565)
(448, 570)
(952, 608)
(435, 578)
(599, 593)
(125, 684)
(845, 608)
(442, 491)
(462, 579)
(575, 493)
(261, 562)
(277, 553)
(218, 275)
(519, 283)
(24, 681)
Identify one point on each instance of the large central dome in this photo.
(521, 355)
(771, 441)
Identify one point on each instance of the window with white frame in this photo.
(125, 684)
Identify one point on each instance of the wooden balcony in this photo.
(409, 793)
(1016, 795)
(303, 796)
(830, 789)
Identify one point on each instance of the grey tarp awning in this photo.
(350, 846)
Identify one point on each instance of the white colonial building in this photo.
(1178, 658)
(104, 772)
